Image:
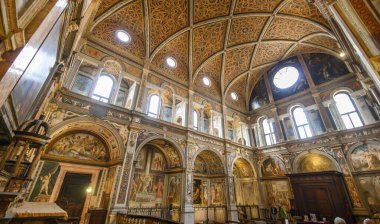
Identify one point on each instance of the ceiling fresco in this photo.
(227, 40)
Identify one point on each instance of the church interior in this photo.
(189, 111)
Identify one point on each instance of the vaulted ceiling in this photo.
(233, 42)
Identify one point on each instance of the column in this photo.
(232, 212)
(280, 134)
(126, 171)
(139, 106)
(187, 195)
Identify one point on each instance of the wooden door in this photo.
(72, 195)
(322, 193)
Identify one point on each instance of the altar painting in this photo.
(147, 189)
(174, 188)
(369, 186)
(273, 167)
(279, 193)
(217, 193)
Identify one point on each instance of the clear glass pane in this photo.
(104, 86)
(274, 138)
(121, 97)
(286, 77)
(347, 122)
(154, 104)
(268, 140)
(344, 103)
(266, 126)
(356, 120)
(301, 132)
(195, 119)
(299, 116)
(152, 115)
(308, 131)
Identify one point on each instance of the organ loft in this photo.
(189, 111)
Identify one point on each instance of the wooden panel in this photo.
(324, 194)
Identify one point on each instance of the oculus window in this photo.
(347, 111)
(206, 81)
(154, 106)
(103, 88)
(286, 77)
(302, 125)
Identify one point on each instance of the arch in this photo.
(210, 153)
(245, 162)
(106, 132)
(164, 138)
(316, 161)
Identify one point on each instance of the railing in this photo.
(173, 214)
(215, 214)
(124, 218)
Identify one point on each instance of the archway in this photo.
(157, 180)
(209, 187)
(246, 186)
(314, 161)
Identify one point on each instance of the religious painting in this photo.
(197, 191)
(79, 146)
(82, 85)
(174, 191)
(259, 96)
(366, 157)
(250, 192)
(324, 67)
(45, 182)
(157, 162)
(217, 192)
(141, 158)
(369, 186)
(273, 167)
(279, 193)
(147, 189)
(37, 73)
(314, 162)
(299, 85)
(167, 114)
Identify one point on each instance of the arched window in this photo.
(103, 88)
(195, 119)
(347, 110)
(302, 125)
(269, 136)
(154, 106)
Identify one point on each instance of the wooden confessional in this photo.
(322, 193)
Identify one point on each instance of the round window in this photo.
(286, 77)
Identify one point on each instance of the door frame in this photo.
(81, 169)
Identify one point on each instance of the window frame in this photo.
(348, 114)
(84, 75)
(102, 98)
(149, 113)
(304, 126)
(271, 135)
(195, 121)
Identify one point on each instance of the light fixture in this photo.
(206, 81)
(234, 96)
(342, 54)
(123, 36)
(89, 190)
(171, 62)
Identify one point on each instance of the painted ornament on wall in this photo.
(45, 182)
(370, 188)
(217, 193)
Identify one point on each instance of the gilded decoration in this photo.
(246, 29)
(171, 34)
(212, 70)
(178, 49)
(165, 18)
(207, 9)
(237, 62)
(79, 146)
(244, 6)
(207, 40)
(242, 169)
(314, 162)
(129, 18)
